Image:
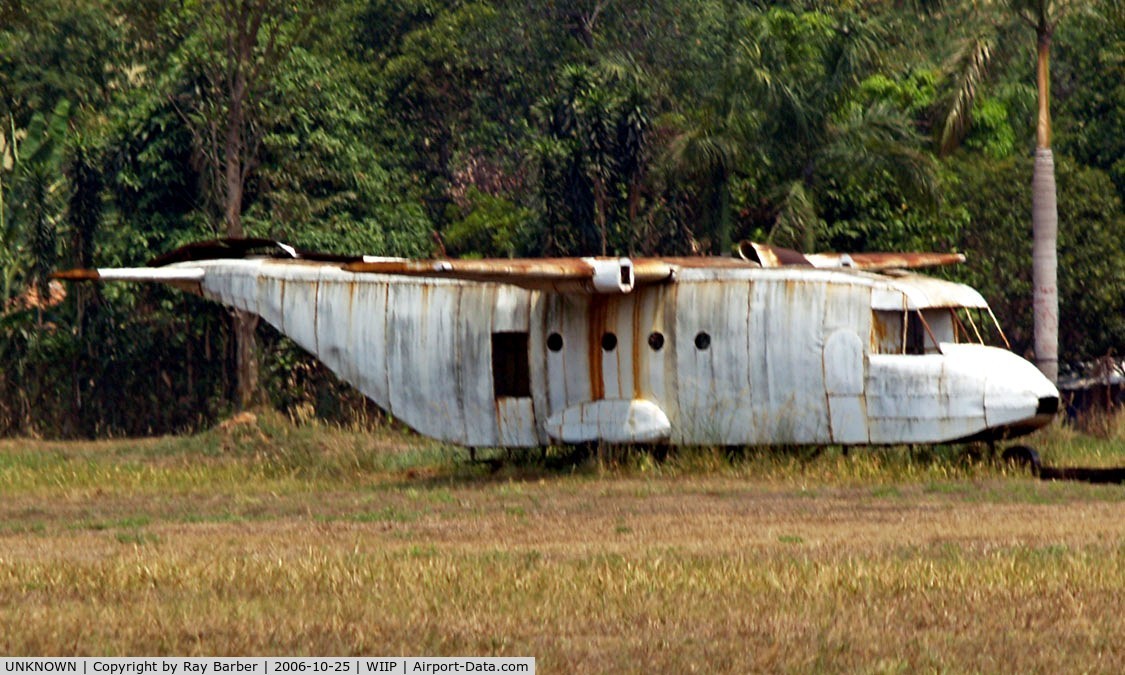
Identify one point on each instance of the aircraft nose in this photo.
(1018, 394)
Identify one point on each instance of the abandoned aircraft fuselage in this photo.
(684, 351)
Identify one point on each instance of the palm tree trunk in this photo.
(1045, 226)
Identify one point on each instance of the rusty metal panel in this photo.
(847, 316)
(905, 386)
(780, 357)
(774, 256)
(268, 293)
(956, 394)
(511, 310)
(886, 332)
(886, 298)
(848, 417)
(712, 348)
(298, 312)
(537, 364)
(335, 309)
(242, 284)
(217, 286)
(552, 314)
(844, 381)
(516, 419)
(474, 372)
(844, 371)
(367, 334)
(177, 273)
(923, 292)
(913, 399)
(847, 306)
(786, 361)
(559, 275)
(351, 334)
(421, 357)
(618, 363)
(654, 368)
(571, 374)
(884, 261)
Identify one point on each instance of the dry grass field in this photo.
(264, 537)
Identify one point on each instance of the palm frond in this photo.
(701, 151)
(881, 140)
(970, 68)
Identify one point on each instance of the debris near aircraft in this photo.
(774, 348)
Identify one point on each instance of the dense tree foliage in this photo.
(513, 127)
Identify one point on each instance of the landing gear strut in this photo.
(1024, 456)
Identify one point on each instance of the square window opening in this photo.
(511, 373)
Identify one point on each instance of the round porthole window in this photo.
(609, 342)
(656, 340)
(554, 342)
(702, 340)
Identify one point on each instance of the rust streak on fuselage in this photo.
(878, 335)
(596, 324)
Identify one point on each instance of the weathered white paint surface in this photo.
(611, 420)
(844, 378)
(723, 354)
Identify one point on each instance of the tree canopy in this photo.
(518, 128)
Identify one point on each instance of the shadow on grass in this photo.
(818, 463)
(276, 446)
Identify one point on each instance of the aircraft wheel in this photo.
(1024, 456)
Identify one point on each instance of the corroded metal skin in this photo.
(686, 351)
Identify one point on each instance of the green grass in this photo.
(262, 536)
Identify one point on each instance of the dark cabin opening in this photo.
(915, 334)
(511, 373)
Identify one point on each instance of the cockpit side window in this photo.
(913, 331)
(923, 331)
(978, 326)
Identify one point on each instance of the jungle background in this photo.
(517, 127)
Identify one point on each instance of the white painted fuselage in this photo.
(728, 356)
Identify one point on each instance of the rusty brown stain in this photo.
(775, 256)
(552, 274)
(772, 256)
(572, 268)
(656, 270)
(882, 261)
(76, 275)
(878, 333)
(595, 324)
(790, 287)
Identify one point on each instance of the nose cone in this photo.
(1018, 398)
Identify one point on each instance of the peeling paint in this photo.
(747, 355)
